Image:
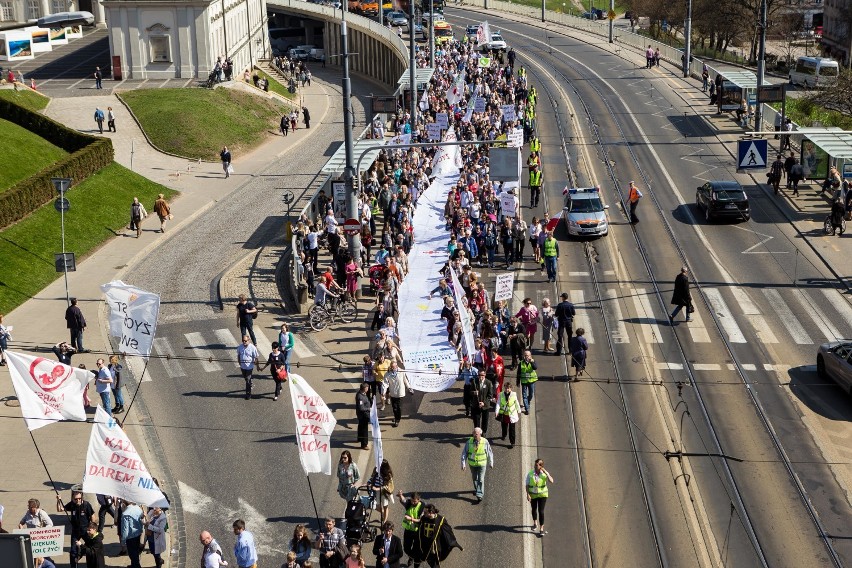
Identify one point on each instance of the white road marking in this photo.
(137, 367)
(264, 346)
(745, 367)
(196, 340)
(819, 317)
(697, 329)
(725, 318)
(797, 332)
(618, 330)
(226, 338)
(300, 349)
(747, 307)
(761, 329)
(579, 273)
(707, 367)
(173, 366)
(838, 302)
(648, 323)
(581, 319)
(670, 366)
(606, 272)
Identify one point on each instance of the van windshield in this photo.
(443, 32)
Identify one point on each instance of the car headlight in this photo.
(573, 223)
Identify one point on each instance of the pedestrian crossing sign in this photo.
(751, 154)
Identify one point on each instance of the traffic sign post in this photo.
(751, 154)
(62, 205)
(352, 227)
(65, 262)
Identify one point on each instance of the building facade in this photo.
(837, 31)
(159, 39)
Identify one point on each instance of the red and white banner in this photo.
(47, 390)
(314, 425)
(114, 467)
(46, 541)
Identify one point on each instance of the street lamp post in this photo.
(349, 170)
(431, 33)
(412, 67)
(761, 62)
(687, 34)
(62, 185)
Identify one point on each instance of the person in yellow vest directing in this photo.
(411, 522)
(508, 412)
(527, 378)
(536, 486)
(476, 453)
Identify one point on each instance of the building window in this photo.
(7, 12)
(160, 49)
(33, 9)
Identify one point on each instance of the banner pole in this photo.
(311, 489)
(47, 471)
(136, 392)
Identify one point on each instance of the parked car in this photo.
(584, 212)
(396, 18)
(834, 361)
(299, 54)
(497, 43)
(723, 199)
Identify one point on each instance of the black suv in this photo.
(722, 199)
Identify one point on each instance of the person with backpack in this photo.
(776, 171)
(137, 213)
(246, 314)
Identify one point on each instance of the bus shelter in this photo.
(823, 147)
(421, 80)
(736, 86)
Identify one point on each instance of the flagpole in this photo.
(311, 489)
(47, 471)
(136, 392)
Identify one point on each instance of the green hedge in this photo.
(88, 155)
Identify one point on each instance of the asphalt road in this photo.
(617, 500)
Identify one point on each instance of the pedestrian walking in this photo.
(535, 185)
(246, 314)
(354, 560)
(103, 385)
(245, 551)
(578, 347)
(785, 138)
(285, 125)
(247, 358)
(294, 120)
(80, 514)
(397, 384)
(477, 454)
(528, 316)
(789, 162)
(681, 298)
(137, 214)
(633, 196)
(536, 484)
(115, 369)
(797, 174)
(508, 413)
(564, 314)
(326, 543)
(387, 547)
(99, 119)
(105, 506)
(163, 211)
(382, 485)
(110, 119)
(363, 405)
(301, 545)
(348, 476)
(275, 362)
(410, 522)
(550, 253)
(211, 553)
(306, 115)
(776, 172)
(649, 57)
(155, 527)
(286, 342)
(480, 398)
(779, 121)
(526, 379)
(705, 77)
(92, 547)
(225, 156)
(547, 319)
(838, 210)
(98, 78)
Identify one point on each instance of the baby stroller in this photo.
(360, 526)
(377, 275)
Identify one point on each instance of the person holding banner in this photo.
(80, 515)
(327, 542)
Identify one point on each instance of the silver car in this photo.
(834, 361)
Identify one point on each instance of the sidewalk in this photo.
(63, 447)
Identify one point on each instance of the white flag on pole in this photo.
(314, 425)
(456, 91)
(378, 452)
(399, 140)
(424, 101)
(483, 33)
(132, 317)
(47, 391)
(464, 317)
(114, 467)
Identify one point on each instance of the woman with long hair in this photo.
(347, 476)
(301, 545)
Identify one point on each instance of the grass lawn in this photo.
(277, 87)
(24, 153)
(207, 118)
(25, 98)
(99, 206)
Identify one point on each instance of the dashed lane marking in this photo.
(196, 340)
(707, 367)
(172, 366)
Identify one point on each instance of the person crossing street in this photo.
(535, 185)
(247, 357)
(633, 196)
(477, 454)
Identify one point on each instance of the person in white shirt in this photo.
(313, 247)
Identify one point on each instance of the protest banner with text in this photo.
(314, 425)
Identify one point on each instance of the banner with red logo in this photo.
(47, 390)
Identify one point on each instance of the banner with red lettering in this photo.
(47, 391)
(114, 467)
(314, 425)
(133, 316)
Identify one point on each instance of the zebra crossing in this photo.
(211, 349)
(800, 316)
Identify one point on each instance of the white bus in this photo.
(814, 72)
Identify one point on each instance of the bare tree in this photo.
(837, 96)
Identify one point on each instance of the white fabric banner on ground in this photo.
(45, 541)
(132, 317)
(468, 346)
(378, 451)
(47, 390)
(447, 162)
(431, 363)
(314, 425)
(114, 467)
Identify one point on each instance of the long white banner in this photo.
(468, 345)
(47, 391)
(431, 363)
(132, 317)
(114, 467)
(314, 425)
(378, 449)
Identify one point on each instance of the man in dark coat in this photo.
(435, 538)
(76, 323)
(80, 515)
(480, 397)
(388, 548)
(564, 315)
(93, 547)
(681, 297)
(306, 114)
